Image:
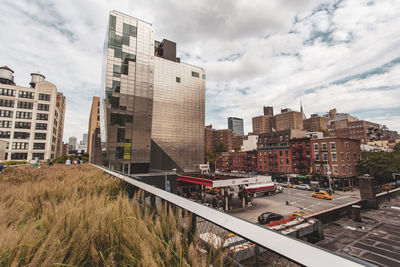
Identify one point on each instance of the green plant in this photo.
(14, 162)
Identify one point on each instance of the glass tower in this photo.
(153, 106)
(236, 125)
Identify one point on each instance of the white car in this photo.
(302, 187)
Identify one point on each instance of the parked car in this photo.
(268, 217)
(323, 195)
(302, 187)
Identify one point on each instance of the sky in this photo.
(327, 54)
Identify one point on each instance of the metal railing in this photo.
(289, 249)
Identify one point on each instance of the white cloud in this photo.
(276, 52)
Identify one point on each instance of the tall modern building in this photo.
(236, 125)
(73, 141)
(31, 118)
(153, 105)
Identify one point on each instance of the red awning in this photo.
(195, 180)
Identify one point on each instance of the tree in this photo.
(236, 148)
(220, 148)
(325, 132)
(397, 148)
(380, 165)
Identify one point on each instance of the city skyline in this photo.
(318, 52)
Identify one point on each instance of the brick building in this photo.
(315, 123)
(364, 131)
(300, 151)
(236, 161)
(288, 119)
(273, 160)
(338, 155)
(262, 124)
(214, 138)
(278, 138)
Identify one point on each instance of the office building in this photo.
(73, 142)
(84, 139)
(153, 104)
(236, 125)
(93, 135)
(31, 118)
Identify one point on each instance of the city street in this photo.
(298, 199)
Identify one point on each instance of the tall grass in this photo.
(80, 216)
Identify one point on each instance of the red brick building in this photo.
(236, 161)
(300, 151)
(338, 155)
(364, 131)
(274, 160)
(213, 138)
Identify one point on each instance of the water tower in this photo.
(6, 75)
(36, 77)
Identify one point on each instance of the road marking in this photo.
(342, 197)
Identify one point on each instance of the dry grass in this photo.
(80, 216)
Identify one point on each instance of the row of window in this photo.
(24, 94)
(23, 125)
(335, 169)
(24, 156)
(22, 135)
(25, 145)
(324, 146)
(22, 104)
(334, 156)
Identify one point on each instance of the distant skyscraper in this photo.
(84, 139)
(153, 105)
(73, 142)
(236, 125)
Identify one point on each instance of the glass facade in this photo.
(153, 107)
(127, 102)
(236, 125)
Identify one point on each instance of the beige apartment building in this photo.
(315, 123)
(31, 118)
(94, 140)
(288, 119)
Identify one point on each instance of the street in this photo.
(298, 199)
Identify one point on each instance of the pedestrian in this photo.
(68, 162)
(51, 162)
(35, 164)
(1, 167)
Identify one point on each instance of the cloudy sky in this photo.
(343, 54)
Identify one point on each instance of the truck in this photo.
(263, 189)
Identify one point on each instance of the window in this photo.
(20, 145)
(324, 146)
(21, 135)
(349, 169)
(316, 147)
(40, 136)
(45, 97)
(325, 157)
(335, 168)
(25, 105)
(348, 156)
(195, 74)
(318, 169)
(22, 125)
(334, 157)
(7, 92)
(19, 156)
(117, 71)
(317, 157)
(333, 146)
(39, 156)
(5, 124)
(42, 116)
(38, 145)
(41, 126)
(204, 76)
(6, 103)
(129, 30)
(325, 169)
(178, 79)
(116, 85)
(5, 134)
(6, 113)
(43, 107)
(119, 152)
(25, 94)
(346, 145)
(287, 153)
(23, 115)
